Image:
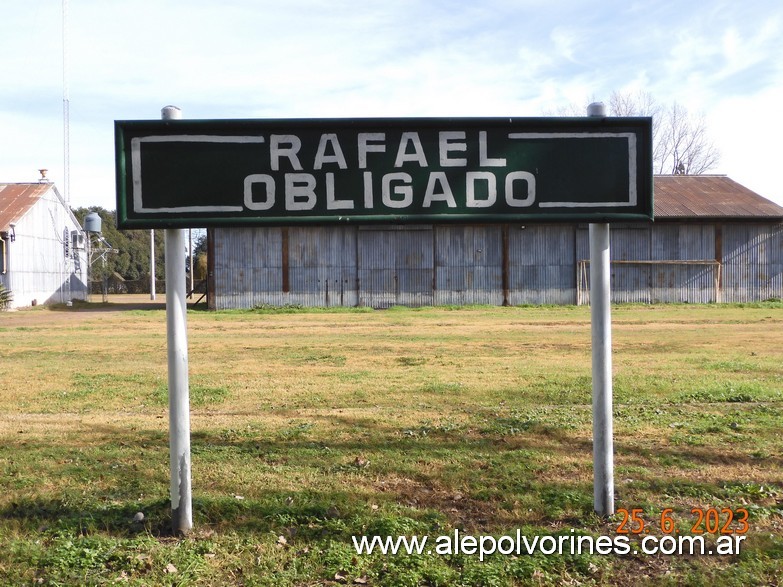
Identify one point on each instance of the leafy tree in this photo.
(200, 256)
(132, 261)
(200, 244)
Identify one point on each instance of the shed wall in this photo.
(752, 262)
(493, 264)
(395, 266)
(542, 267)
(468, 265)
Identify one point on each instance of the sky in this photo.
(126, 59)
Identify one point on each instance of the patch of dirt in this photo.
(461, 511)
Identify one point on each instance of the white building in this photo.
(43, 259)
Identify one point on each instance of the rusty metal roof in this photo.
(17, 198)
(676, 197)
(709, 196)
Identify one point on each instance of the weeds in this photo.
(6, 297)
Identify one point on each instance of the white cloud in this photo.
(748, 133)
(564, 40)
(316, 58)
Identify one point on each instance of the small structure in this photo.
(43, 257)
(713, 240)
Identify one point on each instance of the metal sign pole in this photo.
(190, 261)
(601, 319)
(179, 402)
(152, 264)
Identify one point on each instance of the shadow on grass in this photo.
(81, 307)
(150, 306)
(303, 513)
(470, 480)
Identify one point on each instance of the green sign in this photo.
(200, 173)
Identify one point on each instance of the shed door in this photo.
(395, 266)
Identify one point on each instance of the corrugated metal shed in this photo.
(713, 240)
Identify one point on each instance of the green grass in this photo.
(312, 426)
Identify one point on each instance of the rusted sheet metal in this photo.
(709, 196)
(17, 198)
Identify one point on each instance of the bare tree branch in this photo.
(681, 144)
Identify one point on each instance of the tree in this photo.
(681, 145)
(132, 261)
(200, 255)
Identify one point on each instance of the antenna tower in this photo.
(66, 112)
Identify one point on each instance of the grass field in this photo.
(309, 427)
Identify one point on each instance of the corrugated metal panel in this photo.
(378, 283)
(696, 241)
(322, 266)
(248, 267)
(415, 265)
(709, 196)
(630, 283)
(17, 198)
(542, 264)
(468, 265)
(317, 265)
(645, 264)
(679, 282)
(752, 262)
(395, 266)
(683, 283)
